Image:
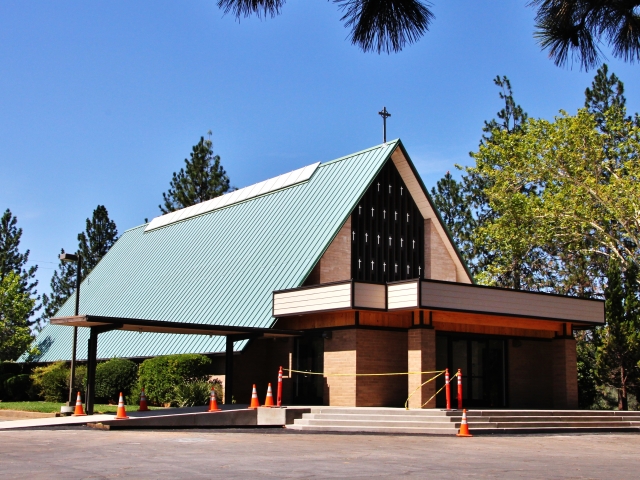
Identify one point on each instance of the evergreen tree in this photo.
(619, 351)
(606, 93)
(450, 201)
(203, 178)
(376, 25)
(586, 360)
(569, 28)
(94, 243)
(510, 117)
(63, 284)
(11, 260)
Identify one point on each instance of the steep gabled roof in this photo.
(219, 267)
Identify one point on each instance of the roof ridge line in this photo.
(345, 157)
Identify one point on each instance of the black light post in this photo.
(70, 257)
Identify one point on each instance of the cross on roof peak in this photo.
(384, 114)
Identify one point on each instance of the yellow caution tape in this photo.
(438, 372)
(441, 388)
(359, 374)
(423, 384)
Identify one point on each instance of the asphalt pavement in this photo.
(81, 452)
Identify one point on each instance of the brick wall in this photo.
(362, 350)
(565, 373)
(336, 261)
(421, 358)
(530, 369)
(438, 263)
(381, 351)
(335, 264)
(340, 357)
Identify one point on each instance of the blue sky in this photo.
(101, 101)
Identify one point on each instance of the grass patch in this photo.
(54, 407)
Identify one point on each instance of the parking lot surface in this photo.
(80, 452)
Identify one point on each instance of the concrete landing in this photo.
(261, 417)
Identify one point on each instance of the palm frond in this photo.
(572, 29)
(246, 8)
(385, 25)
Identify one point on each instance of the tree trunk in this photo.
(623, 404)
(516, 275)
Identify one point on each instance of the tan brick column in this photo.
(340, 357)
(565, 373)
(422, 358)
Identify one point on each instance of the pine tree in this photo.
(63, 284)
(451, 203)
(606, 93)
(11, 260)
(203, 178)
(94, 243)
(510, 117)
(619, 351)
(578, 28)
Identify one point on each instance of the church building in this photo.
(337, 269)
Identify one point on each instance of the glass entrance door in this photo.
(483, 364)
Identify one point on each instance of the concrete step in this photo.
(355, 422)
(381, 411)
(549, 419)
(397, 420)
(364, 423)
(375, 429)
(554, 413)
(453, 431)
(372, 418)
(381, 418)
(529, 424)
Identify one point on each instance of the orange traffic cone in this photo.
(464, 427)
(143, 402)
(79, 412)
(269, 401)
(255, 403)
(121, 414)
(213, 402)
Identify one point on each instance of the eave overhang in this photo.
(435, 295)
(162, 326)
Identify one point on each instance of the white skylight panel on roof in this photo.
(267, 186)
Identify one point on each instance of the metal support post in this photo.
(92, 362)
(228, 371)
(92, 352)
(72, 373)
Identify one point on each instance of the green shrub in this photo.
(19, 388)
(52, 381)
(12, 368)
(9, 370)
(160, 375)
(195, 392)
(115, 376)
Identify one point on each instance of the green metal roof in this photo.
(219, 268)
